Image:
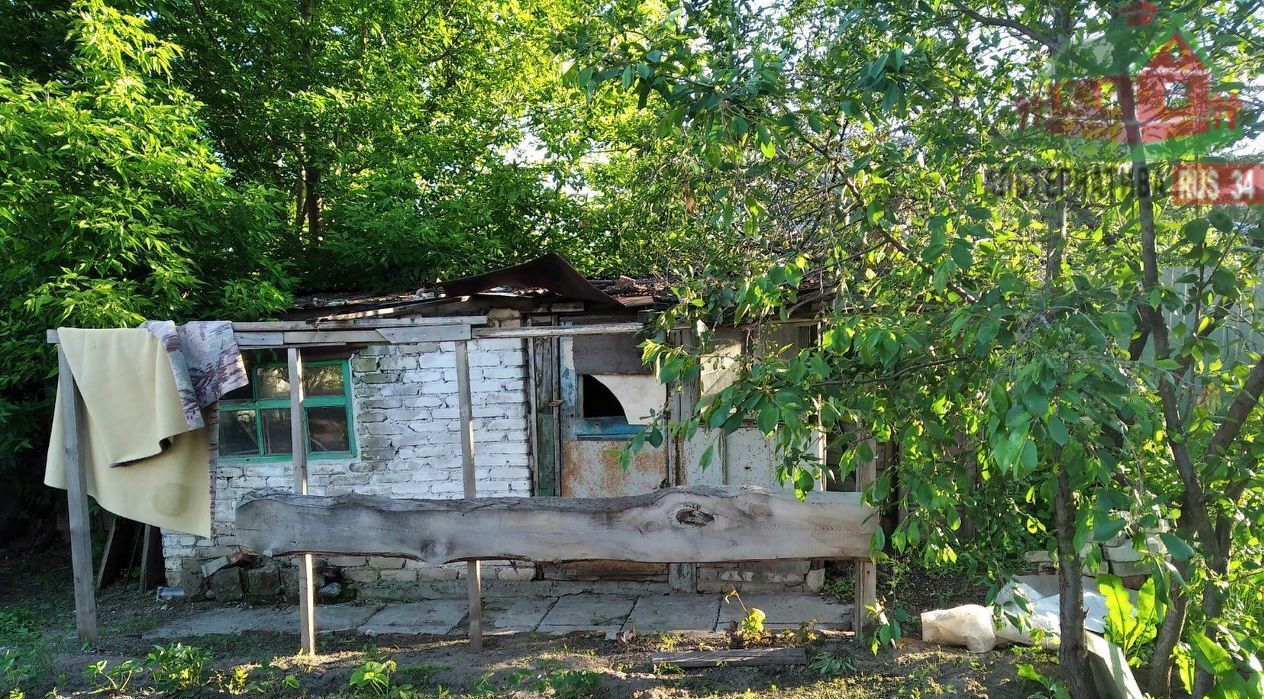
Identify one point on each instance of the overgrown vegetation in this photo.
(1055, 366)
(24, 654)
(1041, 361)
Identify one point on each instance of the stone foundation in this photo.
(761, 576)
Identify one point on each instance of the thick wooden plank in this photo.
(256, 340)
(866, 588)
(120, 549)
(428, 333)
(561, 330)
(755, 657)
(672, 525)
(152, 569)
(282, 333)
(298, 447)
(546, 413)
(474, 582)
(355, 323)
(74, 416)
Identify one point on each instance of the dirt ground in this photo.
(37, 627)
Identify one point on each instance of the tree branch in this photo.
(1007, 23)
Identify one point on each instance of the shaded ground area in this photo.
(36, 626)
(607, 613)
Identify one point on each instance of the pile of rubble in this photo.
(1027, 611)
(244, 577)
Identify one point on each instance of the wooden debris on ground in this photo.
(749, 657)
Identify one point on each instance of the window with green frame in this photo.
(254, 421)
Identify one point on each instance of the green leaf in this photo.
(1195, 231)
(1211, 657)
(767, 418)
(707, 455)
(655, 438)
(1107, 527)
(1120, 325)
(1028, 456)
(1028, 671)
(1223, 282)
(960, 252)
(1176, 546)
(1119, 619)
(1036, 401)
(1057, 430)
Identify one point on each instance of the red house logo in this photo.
(1172, 89)
(1174, 104)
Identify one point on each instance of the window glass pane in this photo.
(273, 382)
(327, 429)
(323, 380)
(237, 435)
(276, 431)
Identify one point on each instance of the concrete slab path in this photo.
(605, 612)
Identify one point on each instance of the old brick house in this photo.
(550, 414)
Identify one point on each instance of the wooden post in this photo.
(298, 449)
(866, 570)
(474, 582)
(73, 417)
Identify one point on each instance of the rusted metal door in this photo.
(590, 464)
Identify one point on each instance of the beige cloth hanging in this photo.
(133, 410)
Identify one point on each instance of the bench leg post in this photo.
(866, 593)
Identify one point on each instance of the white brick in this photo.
(436, 360)
(399, 575)
(427, 401)
(398, 362)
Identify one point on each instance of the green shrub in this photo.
(24, 655)
(831, 665)
(178, 668)
(271, 681)
(564, 684)
(374, 679)
(112, 680)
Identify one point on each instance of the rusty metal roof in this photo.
(548, 277)
(549, 272)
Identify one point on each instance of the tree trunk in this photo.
(1213, 602)
(1169, 635)
(311, 186)
(300, 200)
(1194, 500)
(1072, 653)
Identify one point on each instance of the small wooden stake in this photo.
(73, 414)
(866, 570)
(298, 448)
(474, 581)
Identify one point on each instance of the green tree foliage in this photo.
(1059, 365)
(114, 208)
(403, 132)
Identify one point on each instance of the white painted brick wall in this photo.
(406, 420)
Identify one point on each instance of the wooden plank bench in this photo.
(671, 525)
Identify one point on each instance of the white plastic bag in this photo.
(969, 625)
